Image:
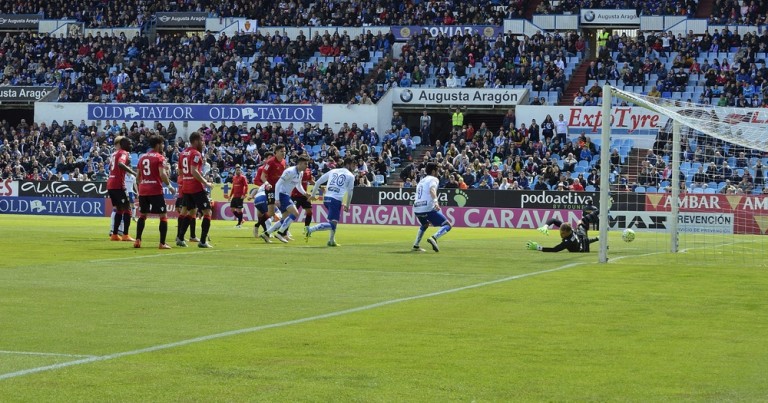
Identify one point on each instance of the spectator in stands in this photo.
(576, 186)
(759, 179)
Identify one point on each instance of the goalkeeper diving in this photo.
(573, 240)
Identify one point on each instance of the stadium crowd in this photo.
(539, 60)
(536, 156)
(81, 151)
(738, 78)
(655, 7)
(732, 12)
(512, 157)
(93, 14)
(204, 69)
(197, 68)
(370, 13)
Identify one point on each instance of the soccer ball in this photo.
(628, 235)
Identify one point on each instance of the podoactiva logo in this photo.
(556, 200)
(401, 197)
(406, 95)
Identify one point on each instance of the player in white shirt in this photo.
(427, 209)
(289, 180)
(130, 188)
(340, 182)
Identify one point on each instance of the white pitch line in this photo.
(46, 354)
(200, 339)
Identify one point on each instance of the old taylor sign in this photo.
(459, 96)
(195, 112)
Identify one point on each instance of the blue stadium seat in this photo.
(640, 189)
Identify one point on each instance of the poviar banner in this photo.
(52, 206)
(405, 32)
(216, 112)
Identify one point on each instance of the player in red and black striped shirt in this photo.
(194, 185)
(237, 193)
(118, 166)
(273, 169)
(152, 176)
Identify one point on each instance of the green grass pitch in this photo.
(483, 320)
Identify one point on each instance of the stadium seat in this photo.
(651, 189)
(378, 180)
(640, 189)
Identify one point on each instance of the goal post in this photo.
(605, 172)
(686, 216)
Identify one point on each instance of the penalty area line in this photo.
(181, 343)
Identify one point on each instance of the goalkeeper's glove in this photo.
(544, 229)
(533, 245)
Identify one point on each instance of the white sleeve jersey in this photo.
(130, 180)
(339, 182)
(289, 180)
(424, 203)
(257, 191)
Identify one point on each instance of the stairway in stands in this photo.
(418, 155)
(530, 7)
(578, 79)
(704, 9)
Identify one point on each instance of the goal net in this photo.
(697, 191)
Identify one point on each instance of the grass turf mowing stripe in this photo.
(181, 343)
(46, 354)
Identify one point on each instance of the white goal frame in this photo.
(605, 171)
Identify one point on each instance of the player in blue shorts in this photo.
(289, 180)
(260, 203)
(339, 182)
(427, 209)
